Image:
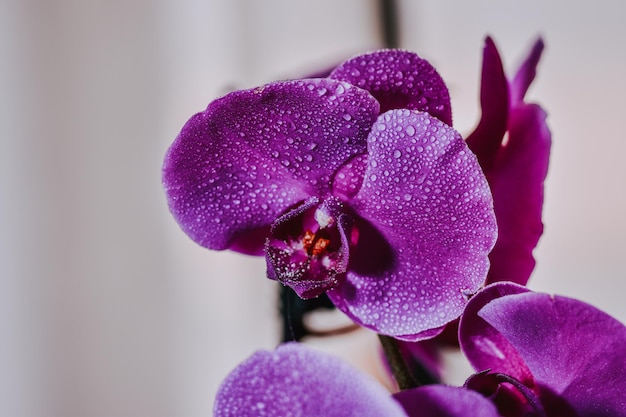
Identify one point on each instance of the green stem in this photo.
(400, 370)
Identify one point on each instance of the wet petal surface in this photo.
(431, 226)
(237, 166)
(297, 381)
(399, 80)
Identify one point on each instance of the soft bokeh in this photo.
(107, 308)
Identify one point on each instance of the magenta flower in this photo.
(512, 143)
(387, 213)
(545, 355)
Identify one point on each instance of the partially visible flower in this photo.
(545, 355)
(512, 143)
(296, 381)
(388, 214)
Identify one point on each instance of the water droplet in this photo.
(410, 130)
(397, 154)
(347, 117)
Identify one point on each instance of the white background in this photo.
(106, 308)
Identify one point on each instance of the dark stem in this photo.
(292, 312)
(389, 23)
(400, 370)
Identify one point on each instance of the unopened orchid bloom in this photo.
(353, 185)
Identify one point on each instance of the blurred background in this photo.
(106, 308)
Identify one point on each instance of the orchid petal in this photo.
(425, 196)
(238, 165)
(399, 80)
(484, 346)
(526, 74)
(297, 381)
(574, 350)
(445, 401)
(486, 139)
(517, 184)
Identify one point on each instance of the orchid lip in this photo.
(309, 247)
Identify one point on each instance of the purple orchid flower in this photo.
(353, 185)
(512, 143)
(545, 355)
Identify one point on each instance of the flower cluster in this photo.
(357, 187)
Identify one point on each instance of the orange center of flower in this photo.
(313, 244)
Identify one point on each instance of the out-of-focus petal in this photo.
(251, 154)
(426, 197)
(517, 181)
(516, 166)
(486, 139)
(399, 80)
(297, 381)
(445, 401)
(574, 350)
(526, 74)
(484, 346)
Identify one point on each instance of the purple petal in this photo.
(426, 197)
(486, 139)
(297, 381)
(526, 74)
(399, 80)
(484, 346)
(445, 401)
(574, 350)
(516, 182)
(251, 154)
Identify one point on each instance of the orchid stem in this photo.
(388, 10)
(404, 378)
